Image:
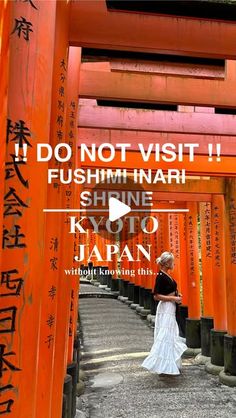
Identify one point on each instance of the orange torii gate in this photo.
(94, 26)
(94, 125)
(190, 286)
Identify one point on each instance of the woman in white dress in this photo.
(168, 346)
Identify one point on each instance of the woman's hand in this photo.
(177, 299)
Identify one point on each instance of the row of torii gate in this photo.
(42, 76)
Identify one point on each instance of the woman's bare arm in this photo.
(168, 298)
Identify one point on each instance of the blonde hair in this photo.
(165, 259)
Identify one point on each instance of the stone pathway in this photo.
(115, 342)
(89, 290)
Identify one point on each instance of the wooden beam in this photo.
(93, 26)
(155, 120)
(191, 187)
(200, 165)
(157, 204)
(150, 88)
(175, 200)
(158, 67)
(90, 136)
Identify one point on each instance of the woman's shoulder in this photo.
(161, 275)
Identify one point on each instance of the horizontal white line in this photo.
(106, 210)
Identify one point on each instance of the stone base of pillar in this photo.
(95, 273)
(200, 359)
(192, 352)
(109, 280)
(76, 356)
(67, 396)
(128, 302)
(131, 292)
(124, 288)
(193, 335)
(230, 354)
(147, 298)
(151, 319)
(153, 306)
(138, 309)
(144, 313)
(95, 283)
(134, 305)
(81, 267)
(227, 379)
(64, 407)
(102, 286)
(183, 315)
(207, 324)
(217, 347)
(213, 369)
(81, 375)
(136, 294)
(80, 388)
(103, 277)
(141, 296)
(121, 287)
(122, 298)
(114, 285)
(72, 370)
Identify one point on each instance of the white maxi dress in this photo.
(168, 346)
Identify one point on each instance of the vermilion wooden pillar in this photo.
(5, 27)
(99, 244)
(150, 244)
(58, 129)
(137, 265)
(53, 335)
(183, 272)
(193, 261)
(114, 263)
(22, 274)
(153, 264)
(110, 240)
(183, 257)
(163, 236)
(72, 191)
(206, 240)
(218, 264)
(144, 264)
(206, 256)
(175, 246)
(54, 314)
(131, 263)
(231, 255)
(228, 376)
(193, 322)
(219, 281)
(124, 263)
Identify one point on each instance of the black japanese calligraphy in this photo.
(22, 28)
(5, 363)
(12, 239)
(10, 286)
(12, 203)
(19, 132)
(7, 319)
(12, 168)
